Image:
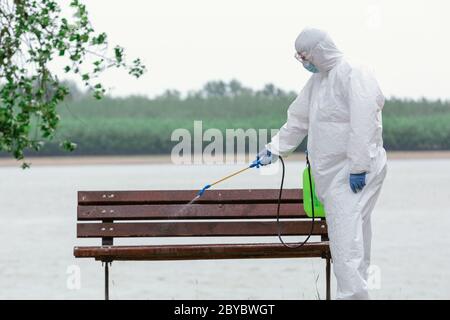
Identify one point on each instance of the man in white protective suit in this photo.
(339, 109)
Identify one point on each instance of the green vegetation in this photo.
(138, 125)
(416, 125)
(33, 33)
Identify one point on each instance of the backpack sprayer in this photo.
(313, 207)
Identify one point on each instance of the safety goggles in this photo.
(302, 57)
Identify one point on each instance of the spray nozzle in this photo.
(256, 163)
(201, 192)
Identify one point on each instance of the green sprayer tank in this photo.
(319, 211)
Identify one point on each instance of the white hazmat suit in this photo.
(339, 109)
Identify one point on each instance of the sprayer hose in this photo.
(294, 245)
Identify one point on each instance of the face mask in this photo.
(310, 67)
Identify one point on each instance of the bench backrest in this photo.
(119, 214)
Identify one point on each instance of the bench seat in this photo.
(202, 251)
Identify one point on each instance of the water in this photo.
(187, 206)
(193, 200)
(38, 218)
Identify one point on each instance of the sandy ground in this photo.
(164, 159)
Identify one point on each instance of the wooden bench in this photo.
(218, 213)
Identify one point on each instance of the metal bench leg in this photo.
(106, 280)
(328, 272)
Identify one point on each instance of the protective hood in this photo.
(318, 48)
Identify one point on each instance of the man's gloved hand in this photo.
(357, 181)
(264, 158)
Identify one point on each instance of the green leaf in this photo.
(68, 145)
(25, 165)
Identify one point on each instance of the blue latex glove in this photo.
(264, 158)
(357, 181)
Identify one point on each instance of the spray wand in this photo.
(256, 163)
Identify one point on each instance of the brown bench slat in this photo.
(194, 211)
(184, 196)
(193, 229)
(202, 252)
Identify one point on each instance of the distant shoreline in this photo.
(165, 159)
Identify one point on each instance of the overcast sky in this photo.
(186, 43)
